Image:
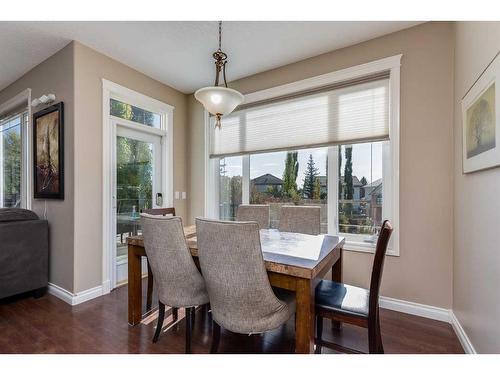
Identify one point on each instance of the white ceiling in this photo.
(179, 54)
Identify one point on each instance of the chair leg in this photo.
(189, 312)
(380, 346)
(193, 315)
(215, 337)
(159, 324)
(149, 300)
(319, 333)
(175, 314)
(372, 336)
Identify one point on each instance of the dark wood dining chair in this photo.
(160, 212)
(353, 305)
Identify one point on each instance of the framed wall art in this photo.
(48, 153)
(481, 121)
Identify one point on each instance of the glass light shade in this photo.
(219, 100)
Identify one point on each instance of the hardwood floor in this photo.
(49, 325)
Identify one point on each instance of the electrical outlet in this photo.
(177, 195)
(183, 195)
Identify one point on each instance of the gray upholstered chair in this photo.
(300, 219)
(168, 211)
(254, 212)
(178, 281)
(241, 297)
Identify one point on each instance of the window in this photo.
(230, 186)
(330, 141)
(135, 114)
(360, 180)
(11, 160)
(293, 177)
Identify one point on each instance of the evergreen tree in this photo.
(309, 177)
(348, 184)
(317, 189)
(363, 181)
(290, 173)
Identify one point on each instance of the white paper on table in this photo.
(292, 244)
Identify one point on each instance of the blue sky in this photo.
(367, 161)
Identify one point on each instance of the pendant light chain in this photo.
(220, 35)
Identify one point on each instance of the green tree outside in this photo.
(290, 173)
(11, 178)
(317, 189)
(309, 178)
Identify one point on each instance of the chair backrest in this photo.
(159, 211)
(254, 212)
(178, 280)
(300, 219)
(231, 261)
(378, 265)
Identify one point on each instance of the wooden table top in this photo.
(294, 254)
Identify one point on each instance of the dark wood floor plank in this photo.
(49, 325)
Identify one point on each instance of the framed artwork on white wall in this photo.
(481, 121)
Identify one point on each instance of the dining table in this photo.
(294, 261)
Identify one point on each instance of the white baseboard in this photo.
(431, 312)
(106, 287)
(413, 308)
(61, 293)
(462, 336)
(75, 299)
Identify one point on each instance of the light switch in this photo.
(183, 195)
(177, 195)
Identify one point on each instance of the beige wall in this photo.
(423, 271)
(90, 68)
(476, 276)
(55, 75)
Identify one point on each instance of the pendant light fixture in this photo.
(219, 100)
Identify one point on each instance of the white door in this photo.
(137, 184)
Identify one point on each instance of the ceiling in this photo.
(179, 54)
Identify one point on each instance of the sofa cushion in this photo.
(16, 214)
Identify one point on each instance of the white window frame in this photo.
(111, 90)
(390, 189)
(23, 97)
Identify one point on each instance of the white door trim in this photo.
(166, 111)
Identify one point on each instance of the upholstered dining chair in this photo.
(254, 212)
(168, 211)
(353, 305)
(232, 264)
(179, 282)
(300, 219)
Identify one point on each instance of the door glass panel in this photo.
(134, 187)
(10, 162)
(135, 114)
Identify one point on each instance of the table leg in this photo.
(134, 287)
(304, 321)
(337, 276)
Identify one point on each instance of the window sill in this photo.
(363, 248)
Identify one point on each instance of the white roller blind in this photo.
(352, 114)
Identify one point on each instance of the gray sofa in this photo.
(24, 252)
